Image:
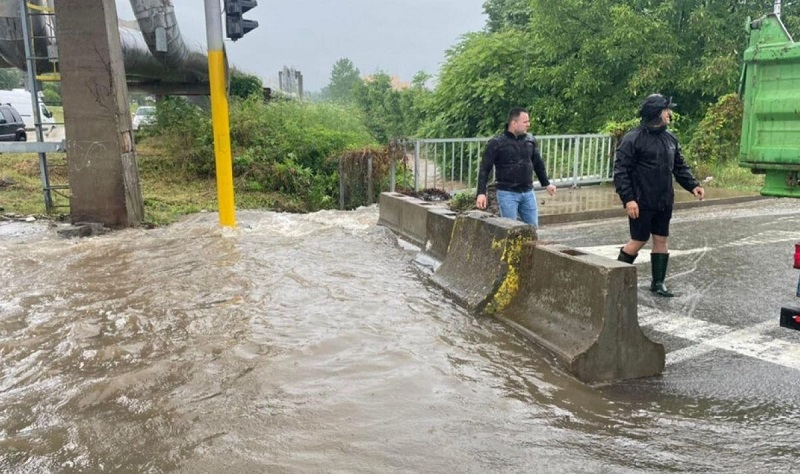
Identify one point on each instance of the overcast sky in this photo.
(399, 37)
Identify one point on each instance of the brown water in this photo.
(309, 344)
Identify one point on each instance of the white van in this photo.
(20, 99)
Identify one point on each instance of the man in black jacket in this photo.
(515, 157)
(647, 158)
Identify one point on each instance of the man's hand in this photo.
(699, 193)
(480, 201)
(633, 209)
(551, 189)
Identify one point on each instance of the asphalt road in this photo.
(731, 267)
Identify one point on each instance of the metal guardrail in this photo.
(33, 147)
(452, 164)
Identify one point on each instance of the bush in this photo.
(463, 200)
(185, 131)
(716, 139)
(289, 147)
(244, 85)
(51, 94)
(356, 178)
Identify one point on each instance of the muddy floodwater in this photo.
(312, 343)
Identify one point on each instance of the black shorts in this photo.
(650, 222)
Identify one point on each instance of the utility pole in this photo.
(219, 114)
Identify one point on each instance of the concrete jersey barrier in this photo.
(580, 307)
(583, 308)
(477, 261)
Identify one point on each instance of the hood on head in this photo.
(653, 105)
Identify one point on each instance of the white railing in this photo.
(451, 164)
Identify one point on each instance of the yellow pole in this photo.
(219, 114)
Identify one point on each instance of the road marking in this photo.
(611, 251)
(750, 341)
(768, 237)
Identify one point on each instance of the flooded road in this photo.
(312, 343)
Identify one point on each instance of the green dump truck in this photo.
(770, 90)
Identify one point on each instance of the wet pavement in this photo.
(596, 202)
(731, 267)
(312, 343)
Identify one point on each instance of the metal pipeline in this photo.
(161, 33)
(12, 47)
(156, 55)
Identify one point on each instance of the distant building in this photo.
(291, 81)
(396, 82)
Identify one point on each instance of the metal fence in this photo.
(451, 164)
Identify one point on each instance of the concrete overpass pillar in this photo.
(103, 173)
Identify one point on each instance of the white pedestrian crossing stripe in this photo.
(769, 237)
(750, 341)
(611, 251)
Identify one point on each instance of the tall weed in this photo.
(289, 147)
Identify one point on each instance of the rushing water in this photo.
(309, 343)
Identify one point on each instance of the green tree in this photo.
(505, 14)
(10, 78)
(52, 93)
(344, 77)
(718, 133)
(382, 106)
(417, 102)
(590, 72)
(484, 76)
(393, 112)
(579, 64)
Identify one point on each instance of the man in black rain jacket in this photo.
(515, 157)
(646, 160)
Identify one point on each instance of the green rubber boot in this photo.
(624, 257)
(659, 263)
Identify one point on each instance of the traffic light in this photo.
(235, 25)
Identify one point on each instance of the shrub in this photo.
(289, 147)
(185, 131)
(716, 139)
(244, 85)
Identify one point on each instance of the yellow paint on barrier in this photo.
(512, 249)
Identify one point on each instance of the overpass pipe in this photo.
(12, 45)
(156, 54)
(161, 33)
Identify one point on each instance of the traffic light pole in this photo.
(219, 114)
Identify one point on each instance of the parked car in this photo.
(21, 100)
(144, 116)
(12, 127)
(790, 315)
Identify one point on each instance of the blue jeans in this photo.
(513, 204)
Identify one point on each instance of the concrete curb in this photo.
(563, 218)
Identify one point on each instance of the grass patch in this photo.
(58, 113)
(21, 185)
(729, 176)
(170, 191)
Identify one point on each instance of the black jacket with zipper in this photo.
(646, 160)
(515, 159)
